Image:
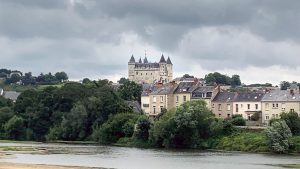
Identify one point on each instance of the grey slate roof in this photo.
(136, 107)
(238, 97)
(145, 60)
(162, 59)
(281, 95)
(225, 97)
(249, 97)
(165, 89)
(169, 61)
(145, 65)
(185, 87)
(132, 60)
(12, 95)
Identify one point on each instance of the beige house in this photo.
(222, 104)
(205, 93)
(246, 104)
(161, 98)
(147, 72)
(278, 101)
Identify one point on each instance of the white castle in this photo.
(147, 72)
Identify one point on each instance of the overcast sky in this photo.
(257, 39)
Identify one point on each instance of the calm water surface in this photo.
(133, 158)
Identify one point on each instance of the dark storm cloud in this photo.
(232, 33)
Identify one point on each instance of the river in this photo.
(134, 158)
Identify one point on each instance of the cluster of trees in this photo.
(13, 77)
(72, 112)
(280, 132)
(221, 79)
(284, 85)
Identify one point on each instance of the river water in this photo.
(134, 158)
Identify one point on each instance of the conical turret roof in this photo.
(169, 61)
(132, 60)
(145, 60)
(140, 61)
(162, 59)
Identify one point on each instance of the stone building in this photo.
(147, 72)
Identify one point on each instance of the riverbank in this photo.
(36, 166)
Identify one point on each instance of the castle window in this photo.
(146, 73)
(137, 73)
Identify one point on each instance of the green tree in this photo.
(74, 124)
(293, 121)
(130, 91)
(61, 76)
(188, 126)
(116, 127)
(142, 128)
(284, 85)
(14, 128)
(235, 80)
(279, 137)
(123, 80)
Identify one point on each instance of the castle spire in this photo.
(132, 60)
(162, 59)
(140, 61)
(169, 61)
(145, 60)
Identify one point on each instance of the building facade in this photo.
(147, 72)
(278, 101)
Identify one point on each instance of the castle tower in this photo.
(131, 66)
(170, 69)
(163, 72)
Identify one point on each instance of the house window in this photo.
(154, 109)
(145, 105)
(248, 105)
(267, 117)
(177, 99)
(213, 106)
(161, 108)
(141, 74)
(241, 105)
(137, 73)
(292, 110)
(256, 106)
(161, 98)
(276, 105)
(228, 107)
(228, 115)
(184, 98)
(276, 115)
(219, 115)
(146, 73)
(154, 99)
(283, 106)
(219, 107)
(267, 106)
(236, 108)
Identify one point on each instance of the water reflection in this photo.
(133, 158)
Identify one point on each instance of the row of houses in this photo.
(268, 103)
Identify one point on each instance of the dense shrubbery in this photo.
(244, 141)
(190, 126)
(279, 137)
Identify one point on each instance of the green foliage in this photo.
(130, 90)
(237, 120)
(243, 141)
(219, 78)
(293, 121)
(5, 102)
(279, 137)
(296, 144)
(73, 125)
(61, 76)
(115, 128)
(14, 128)
(143, 125)
(255, 116)
(188, 126)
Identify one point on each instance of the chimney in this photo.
(159, 84)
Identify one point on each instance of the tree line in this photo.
(17, 77)
(218, 78)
